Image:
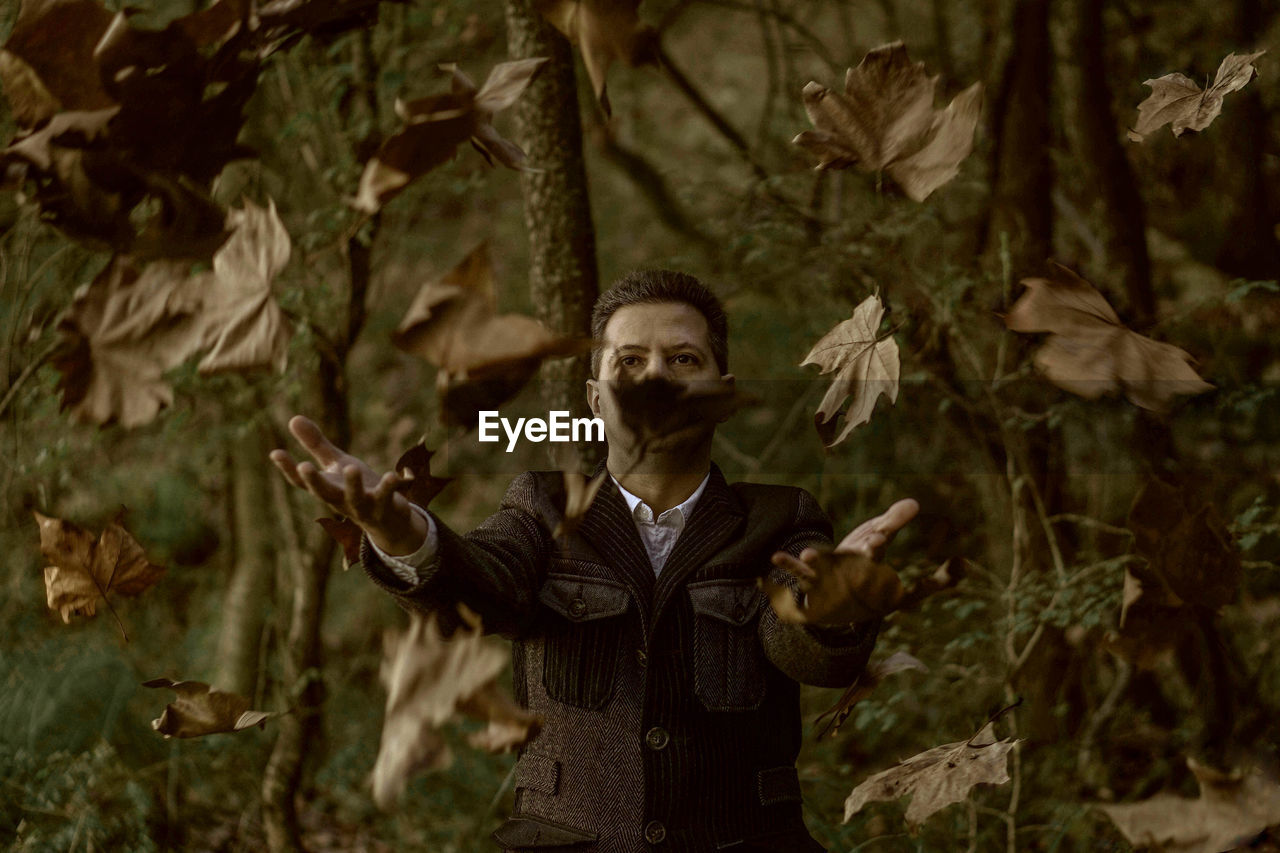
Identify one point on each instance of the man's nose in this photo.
(657, 368)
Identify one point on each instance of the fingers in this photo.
(310, 436)
(799, 569)
(358, 500)
(874, 533)
(896, 516)
(317, 484)
(287, 466)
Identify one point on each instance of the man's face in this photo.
(666, 340)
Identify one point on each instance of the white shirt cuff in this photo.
(408, 567)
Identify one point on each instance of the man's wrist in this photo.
(405, 544)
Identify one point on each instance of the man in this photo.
(668, 686)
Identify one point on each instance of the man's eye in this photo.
(685, 358)
(629, 361)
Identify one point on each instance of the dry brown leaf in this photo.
(885, 121)
(579, 492)
(45, 65)
(937, 777)
(1177, 99)
(123, 331)
(1090, 353)
(845, 587)
(866, 683)
(1232, 808)
(1188, 549)
(659, 413)
(241, 323)
(453, 324)
(203, 710)
(85, 570)
(605, 31)
(436, 125)
(865, 367)
(429, 680)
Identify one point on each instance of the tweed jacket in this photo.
(670, 704)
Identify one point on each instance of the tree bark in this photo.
(1021, 206)
(563, 278)
(244, 607)
(1106, 170)
(1249, 245)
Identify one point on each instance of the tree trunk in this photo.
(1249, 246)
(245, 606)
(563, 279)
(1106, 170)
(1021, 207)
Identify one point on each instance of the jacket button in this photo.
(577, 607)
(641, 657)
(654, 832)
(656, 738)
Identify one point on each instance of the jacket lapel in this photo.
(611, 530)
(716, 518)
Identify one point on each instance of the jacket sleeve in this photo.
(496, 569)
(824, 656)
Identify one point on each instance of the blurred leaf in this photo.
(1175, 98)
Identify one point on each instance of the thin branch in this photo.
(27, 372)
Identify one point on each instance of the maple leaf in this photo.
(85, 570)
(838, 588)
(204, 710)
(453, 324)
(1187, 546)
(429, 680)
(885, 121)
(864, 369)
(42, 64)
(436, 125)
(937, 777)
(605, 31)
(1231, 810)
(1175, 98)
(417, 483)
(866, 683)
(1090, 353)
(122, 332)
(241, 322)
(657, 413)
(579, 492)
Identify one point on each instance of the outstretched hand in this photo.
(848, 583)
(349, 487)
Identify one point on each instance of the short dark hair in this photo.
(648, 286)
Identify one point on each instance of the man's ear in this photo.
(593, 397)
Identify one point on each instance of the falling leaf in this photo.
(1175, 98)
(937, 777)
(1090, 353)
(452, 323)
(122, 332)
(203, 710)
(604, 31)
(579, 492)
(242, 324)
(1231, 810)
(657, 413)
(865, 367)
(885, 121)
(85, 570)
(429, 680)
(866, 683)
(436, 125)
(417, 483)
(844, 587)
(43, 64)
(1186, 545)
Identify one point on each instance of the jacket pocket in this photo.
(728, 665)
(583, 638)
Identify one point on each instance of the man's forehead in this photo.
(667, 324)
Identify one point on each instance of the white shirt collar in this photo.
(641, 511)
